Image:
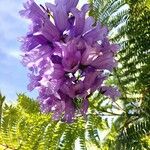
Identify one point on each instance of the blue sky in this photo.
(13, 76)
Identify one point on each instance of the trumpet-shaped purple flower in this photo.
(67, 56)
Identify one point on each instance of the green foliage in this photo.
(24, 127)
(132, 31)
(131, 138)
(2, 99)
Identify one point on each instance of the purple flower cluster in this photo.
(68, 55)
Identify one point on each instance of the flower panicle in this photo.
(67, 55)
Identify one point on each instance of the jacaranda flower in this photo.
(68, 56)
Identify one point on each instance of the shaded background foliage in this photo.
(126, 122)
